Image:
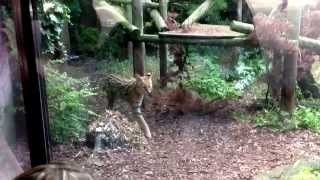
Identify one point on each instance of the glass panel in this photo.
(14, 152)
(234, 98)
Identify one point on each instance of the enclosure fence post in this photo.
(239, 10)
(163, 48)
(288, 103)
(129, 17)
(138, 47)
(274, 80)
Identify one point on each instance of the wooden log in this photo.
(157, 18)
(121, 1)
(241, 27)
(164, 8)
(149, 4)
(198, 13)
(138, 46)
(304, 42)
(163, 48)
(107, 12)
(233, 42)
(129, 17)
(287, 102)
(239, 10)
(275, 77)
(308, 43)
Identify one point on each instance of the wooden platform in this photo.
(203, 34)
(204, 31)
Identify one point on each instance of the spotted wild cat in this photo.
(131, 91)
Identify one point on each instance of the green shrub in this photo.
(87, 39)
(68, 109)
(304, 117)
(209, 83)
(250, 66)
(308, 118)
(56, 15)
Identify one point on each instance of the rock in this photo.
(114, 131)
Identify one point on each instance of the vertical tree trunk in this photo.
(275, 76)
(138, 47)
(239, 10)
(163, 48)
(129, 17)
(290, 64)
(289, 82)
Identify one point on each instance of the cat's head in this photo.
(145, 82)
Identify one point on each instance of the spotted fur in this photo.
(131, 91)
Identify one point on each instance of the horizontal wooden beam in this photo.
(239, 26)
(309, 43)
(121, 1)
(149, 38)
(304, 42)
(241, 42)
(150, 4)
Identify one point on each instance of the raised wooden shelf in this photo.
(204, 31)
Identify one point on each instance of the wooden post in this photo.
(290, 64)
(239, 10)
(163, 48)
(129, 18)
(138, 47)
(198, 13)
(275, 81)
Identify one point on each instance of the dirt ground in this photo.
(196, 147)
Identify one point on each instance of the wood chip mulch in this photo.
(197, 147)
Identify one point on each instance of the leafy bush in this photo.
(304, 117)
(87, 40)
(308, 118)
(113, 45)
(250, 66)
(209, 83)
(68, 110)
(56, 15)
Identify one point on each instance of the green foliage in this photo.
(56, 15)
(185, 8)
(68, 109)
(87, 40)
(250, 66)
(308, 118)
(209, 83)
(300, 170)
(305, 116)
(112, 45)
(124, 68)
